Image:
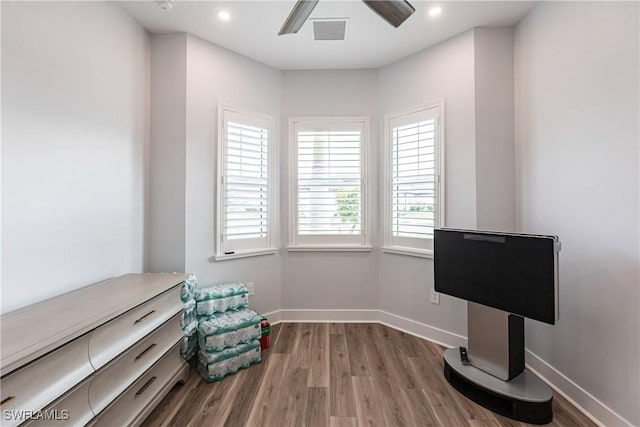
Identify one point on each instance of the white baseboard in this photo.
(329, 316)
(411, 327)
(422, 330)
(589, 405)
(593, 408)
(274, 317)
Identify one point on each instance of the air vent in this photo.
(330, 29)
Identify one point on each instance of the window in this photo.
(245, 184)
(414, 180)
(328, 184)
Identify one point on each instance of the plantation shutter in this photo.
(329, 159)
(414, 179)
(245, 184)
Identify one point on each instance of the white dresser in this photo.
(105, 354)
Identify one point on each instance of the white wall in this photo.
(74, 167)
(0, 156)
(495, 171)
(216, 75)
(190, 78)
(167, 153)
(577, 161)
(329, 280)
(445, 71)
(75, 102)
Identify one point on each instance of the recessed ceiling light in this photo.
(165, 4)
(224, 15)
(435, 11)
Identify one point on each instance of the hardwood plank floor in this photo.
(353, 374)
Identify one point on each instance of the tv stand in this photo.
(495, 376)
(524, 398)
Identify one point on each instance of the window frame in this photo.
(325, 242)
(253, 118)
(393, 244)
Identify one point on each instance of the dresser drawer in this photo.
(36, 385)
(71, 410)
(115, 377)
(112, 338)
(126, 409)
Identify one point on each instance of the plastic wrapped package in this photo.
(207, 309)
(220, 291)
(189, 346)
(214, 366)
(221, 298)
(189, 287)
(265, 328)
(228, 330)
(188, 318)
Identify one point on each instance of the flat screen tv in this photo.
(516, 273)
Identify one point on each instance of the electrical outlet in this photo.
(435, 297)
(250, 287)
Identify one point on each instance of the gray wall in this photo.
(329, 280)
(495, 171)
(577, 162)
(216, 75)
(75, 103)
(167, 156)
(74, 187)
(445, 71)
(190, 78)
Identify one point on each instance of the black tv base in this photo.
(524, 398)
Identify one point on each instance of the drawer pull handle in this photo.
(138, 357)
(145, 386)
(7, 399)
(144, 317)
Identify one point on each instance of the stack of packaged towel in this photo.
(189, 320)
(227, 332)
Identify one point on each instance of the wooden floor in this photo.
(320, 374)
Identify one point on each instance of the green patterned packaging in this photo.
(215, 366)
(228, 330)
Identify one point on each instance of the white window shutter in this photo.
(246, 187)
(414, 179)
(245, 183)
(329, 182)
(329, 197)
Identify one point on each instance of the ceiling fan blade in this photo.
(395, 12)
(298, 16)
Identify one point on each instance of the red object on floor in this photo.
(265, 329)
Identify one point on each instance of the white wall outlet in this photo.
(435, 297)
(250, 287)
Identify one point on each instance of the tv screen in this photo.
(516, 273)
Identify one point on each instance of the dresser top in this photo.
(33, 331)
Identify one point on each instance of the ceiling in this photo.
(370, 42)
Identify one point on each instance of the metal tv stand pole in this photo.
(495, 376)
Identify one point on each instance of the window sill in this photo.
(330, 248)
(401, 250)
(246, 254)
